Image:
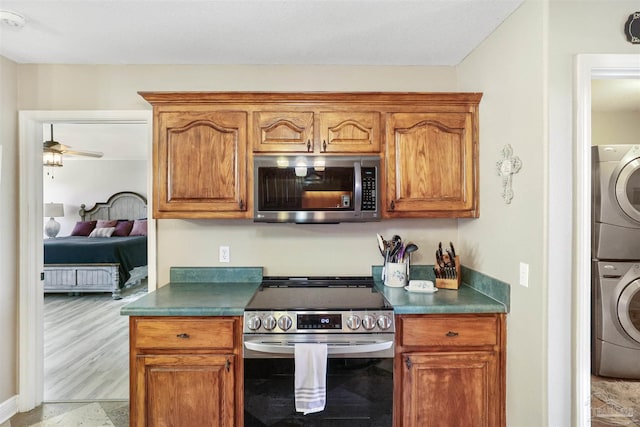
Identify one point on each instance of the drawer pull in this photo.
(452, 334)
(182, 335)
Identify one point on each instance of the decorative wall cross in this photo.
(507, 167)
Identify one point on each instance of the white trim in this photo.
(587, 68)
(31, 327)
(8, 409)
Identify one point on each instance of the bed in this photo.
(97, 262)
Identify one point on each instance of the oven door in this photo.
(359, 384)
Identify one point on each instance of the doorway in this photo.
(85, 338)
(589, 67)
(31, 351)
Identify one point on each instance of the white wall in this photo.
(574, 28)
(615, 128)
(529, 83)
(8, 229)
(509, 70)
(88, 182)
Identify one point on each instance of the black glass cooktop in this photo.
(317, 293)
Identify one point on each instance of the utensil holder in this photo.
(451, 283)
(395, 274)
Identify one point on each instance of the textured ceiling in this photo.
(351, 32)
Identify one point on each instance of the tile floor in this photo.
(74, 414)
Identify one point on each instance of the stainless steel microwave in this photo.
(310, 189)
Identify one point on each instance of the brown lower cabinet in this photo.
(449, 370)
(186, 371)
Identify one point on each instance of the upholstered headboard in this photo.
(123, 205)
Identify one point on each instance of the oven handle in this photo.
(288, 347)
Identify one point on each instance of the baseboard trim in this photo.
(8, 409)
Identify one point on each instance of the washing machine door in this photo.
(629, 310)
(627, 185)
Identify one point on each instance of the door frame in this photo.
(588, 67)
(30, 248)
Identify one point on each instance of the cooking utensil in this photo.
(408, 250)
(381, 244)
(453, 250)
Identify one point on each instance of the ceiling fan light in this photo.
(51, 158)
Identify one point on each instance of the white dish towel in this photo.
(310, 377)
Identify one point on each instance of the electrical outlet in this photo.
(224, 254)
(524, 274)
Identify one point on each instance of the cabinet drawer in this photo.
(449, 331)
(183, 333)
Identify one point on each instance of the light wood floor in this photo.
(86, 347)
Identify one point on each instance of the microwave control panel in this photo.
(368, 189)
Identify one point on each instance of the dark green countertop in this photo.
(219, 291)
(462, 300)
(200, 291)
(194, 299)
(478, 293)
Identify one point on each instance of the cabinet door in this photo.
(201, 164)
(450, 389)
(283, 131)
(431, 165)
(349, 132)
(185, 391)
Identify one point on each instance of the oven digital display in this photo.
(319, 321)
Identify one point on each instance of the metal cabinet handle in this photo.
(407, 361)
(182, 335)
(227, 365)
(241, 204)
(393, 205)
(452, 334)
(324, 146)
(308, 145)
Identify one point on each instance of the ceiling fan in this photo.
(53, 151)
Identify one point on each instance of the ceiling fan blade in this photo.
(52, 145)
(72, 152)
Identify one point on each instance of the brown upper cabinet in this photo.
(317, 132)
(204, 144)
(432, 163)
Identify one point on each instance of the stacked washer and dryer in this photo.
(616, 261)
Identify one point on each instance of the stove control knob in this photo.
(369, 322)
(285, 322)
(384, 322)
(353, 322)
(269, 322)
(254, 323)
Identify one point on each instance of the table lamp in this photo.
(52, 210)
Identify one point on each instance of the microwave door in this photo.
(293, 191)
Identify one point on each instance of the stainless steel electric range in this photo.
(356, 323)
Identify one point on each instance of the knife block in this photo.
(451, 283)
